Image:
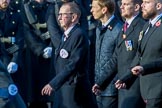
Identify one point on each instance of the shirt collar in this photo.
(68, 31)
(155, 19)
(129, 21)
(108, 21)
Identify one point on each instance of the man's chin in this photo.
(145, 16)
(4, 6)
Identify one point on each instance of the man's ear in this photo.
(104, 10)
(137, 7)
(74, 17)
(159, 6)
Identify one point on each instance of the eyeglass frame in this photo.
(62, 14)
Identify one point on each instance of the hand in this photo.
(47, 90)
(96, 89)
(47, 52)
(137, 70)
(120, 85)
(12, 67)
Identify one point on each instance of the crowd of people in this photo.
(80, 54)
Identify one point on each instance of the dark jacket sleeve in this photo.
(152, 67)
(32, 40)
(128, 78)
(75, 60)
(53, 26)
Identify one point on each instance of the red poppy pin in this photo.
(158, 23)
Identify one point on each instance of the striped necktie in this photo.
(125, 27)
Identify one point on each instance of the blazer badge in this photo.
(129, 45)
(63, 53)
(12, 89)
(140, 36)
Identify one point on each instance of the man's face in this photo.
(127, 8)
(4, 4)
(96, 10)
(149, 10)
(65, 17)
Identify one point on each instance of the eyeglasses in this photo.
(64, 14)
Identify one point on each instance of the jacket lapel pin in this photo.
(158, 23)
(140, 36)
(124, 36)
(109, 27)
(63, 53)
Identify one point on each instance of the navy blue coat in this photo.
(71, 83)
(11, 26)
(105, 45)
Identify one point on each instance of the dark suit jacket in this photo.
(151, 50)
(71, 81)
(149, 56)
(121, 61)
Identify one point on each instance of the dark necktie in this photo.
(145, 36)
(64, 37)
(149, 26)
(125, 27)
(102, 27)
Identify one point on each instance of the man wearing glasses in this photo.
(70, 83)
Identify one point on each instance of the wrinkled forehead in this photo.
(5, 0)
(2, 1)
(64, 9)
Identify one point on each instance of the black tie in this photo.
(144, 37)
(64, 38)
(149, 26)
(102, 27)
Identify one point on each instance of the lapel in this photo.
(101, 32)
(110, 26)
(62, 44)
(147, 36)
(124, 36)
(141, 35)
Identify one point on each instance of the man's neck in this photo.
(105, 18)
(3, 9)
